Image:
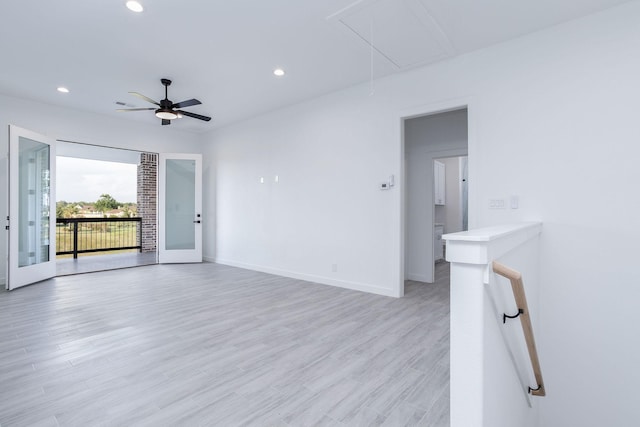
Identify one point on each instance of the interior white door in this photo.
(180, 208)
(32, 214)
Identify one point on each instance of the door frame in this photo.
(105, 153)
(422, 111)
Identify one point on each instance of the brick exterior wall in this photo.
(147, 200)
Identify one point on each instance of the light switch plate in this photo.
(515, 202)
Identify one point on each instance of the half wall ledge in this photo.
(483, 245)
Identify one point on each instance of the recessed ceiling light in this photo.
(63, 89)
(134, 6)
(278, 72)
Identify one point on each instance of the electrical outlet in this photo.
(496, 204)
(334, 268)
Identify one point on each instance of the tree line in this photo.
(105, 203)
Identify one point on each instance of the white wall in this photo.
(546, 113)
(505, 346)
(72, 125)
(320, 212)
(426, 138)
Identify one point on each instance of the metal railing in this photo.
(83, 235)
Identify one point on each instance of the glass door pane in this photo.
(180, 207)
(34, 202)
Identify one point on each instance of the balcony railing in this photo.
(84, 235)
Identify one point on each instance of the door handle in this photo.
(196, 221)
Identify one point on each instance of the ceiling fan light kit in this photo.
(134, 6)
(167, 110)
(162, 113)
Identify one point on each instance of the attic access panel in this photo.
(402, 31)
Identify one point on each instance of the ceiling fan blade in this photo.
(195, 116)
(146, 98)
(166, 122)
(187, 103)
(124, 110)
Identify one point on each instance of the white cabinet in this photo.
(438, 243)
(439, 182)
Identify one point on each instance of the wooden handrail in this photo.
(521, 301)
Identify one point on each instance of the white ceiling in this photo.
(224, 52)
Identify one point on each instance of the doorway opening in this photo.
(451, 214)
(436, 188)
(105, 208)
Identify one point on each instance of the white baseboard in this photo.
(363, 287)
(418, 277)
(208, 259)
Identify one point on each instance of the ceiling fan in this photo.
(168, 110)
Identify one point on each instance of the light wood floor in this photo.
(205, 344)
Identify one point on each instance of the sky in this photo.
(85, 180)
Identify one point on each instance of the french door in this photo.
(32, 214)
(180, 208)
